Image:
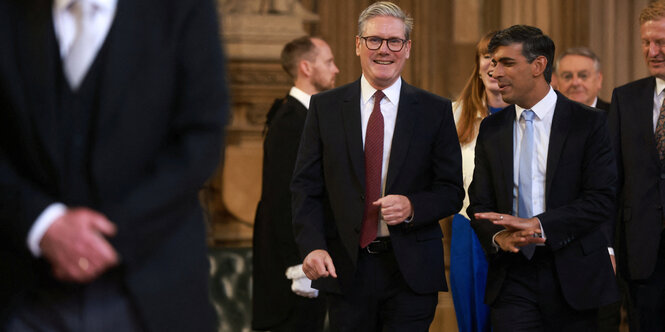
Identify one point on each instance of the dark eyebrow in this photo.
(506, 59)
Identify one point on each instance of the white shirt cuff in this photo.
(43, 222)
(496, 245)
(610, 250)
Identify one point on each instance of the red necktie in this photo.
(373, 164)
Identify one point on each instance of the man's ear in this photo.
(538, 65)
(305, 67)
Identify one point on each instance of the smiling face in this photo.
(653, 46)
(517, 78)
(382, 67)
(578, 78)
(484, 69)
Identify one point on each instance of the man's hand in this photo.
(614, 263)
(318, 264)
(511, 223)
(394, 208)
(76, 246)
(512, 241)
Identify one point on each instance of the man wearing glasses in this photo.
(379, 164)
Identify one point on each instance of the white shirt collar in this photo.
(301, 96)
(660, 85)
(595, 102)
(391, 93)
(100, 4)
(541, 108)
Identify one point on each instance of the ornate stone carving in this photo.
(254, 32)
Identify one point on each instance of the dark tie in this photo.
(524, 203)
(373, 165)
(660, 133)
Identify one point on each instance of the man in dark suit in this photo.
(543, 185)
(282, 298)
(112, 118)
(367, 221)
(578, 75)
(637, 121)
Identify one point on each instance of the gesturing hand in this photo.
(394, 208)
(318, 264)
(76, 246)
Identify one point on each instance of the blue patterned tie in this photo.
(524, 206)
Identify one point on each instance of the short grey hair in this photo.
(385, 8)
(581, 51)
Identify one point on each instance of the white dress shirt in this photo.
(595, 102)
(658, 97)
(302, 96)
(542, 126)
(389, 105)
(64, 24)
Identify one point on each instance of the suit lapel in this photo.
(37, 48)
(643, 113)
(353, 131)
(122, 60)
(561, 120)
(506, 153)
(404, 123)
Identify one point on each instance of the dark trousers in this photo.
(609, 317)
(531, 299)
(308, 315)
(380, 299)
(101, 306)
(647, 309)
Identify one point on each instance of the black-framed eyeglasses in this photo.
(374, 43)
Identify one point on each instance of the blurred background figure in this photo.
(578, 73)
(112, 119)
(282, 297)
(468, 265)
(637, 126)
(578, 76)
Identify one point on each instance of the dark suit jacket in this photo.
(274, 245)
(329, 183)
(602, 105)
(641, 177)
(155, 139)
(579, 195)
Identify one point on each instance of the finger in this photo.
(379, 201)
(488, 215)
(106, 251)
(330, 267)
(104, 226)
(320, 269)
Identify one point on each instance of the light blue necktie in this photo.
(524, 204)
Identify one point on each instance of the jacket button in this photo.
(362, 196)
(357, 229)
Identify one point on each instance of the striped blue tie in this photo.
(524, 205)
